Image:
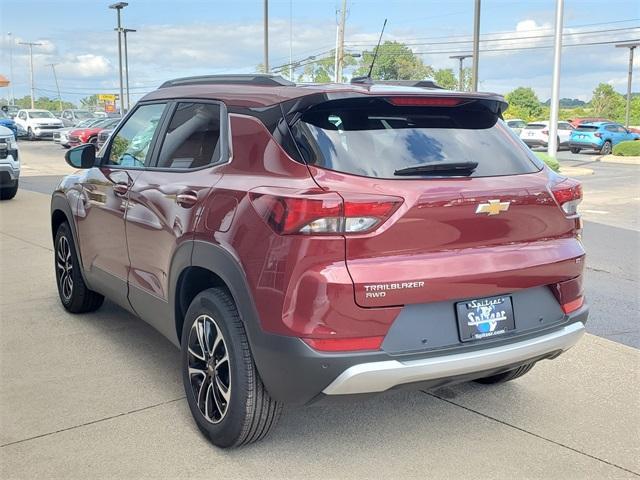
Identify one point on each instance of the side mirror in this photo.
(82, 156)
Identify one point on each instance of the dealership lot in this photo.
(102, 392)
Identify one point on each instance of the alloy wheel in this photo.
(64, 265)
(209, 368)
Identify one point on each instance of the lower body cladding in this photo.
(296, 374)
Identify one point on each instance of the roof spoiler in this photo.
(401, 83)
(264, 80)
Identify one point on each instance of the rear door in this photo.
(166, 200)
(457, 234)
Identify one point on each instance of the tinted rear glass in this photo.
(372, 138)
(587, 128)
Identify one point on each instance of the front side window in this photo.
(193, 137)
(131, 145)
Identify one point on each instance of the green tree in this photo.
(323, 70)
(89, 102)
(608, 103)
(43, 103)
(524, 104)
(395, 61)
(446, 78)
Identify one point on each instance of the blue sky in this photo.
(186, 37)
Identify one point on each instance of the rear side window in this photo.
(373, 138)
(193, 137)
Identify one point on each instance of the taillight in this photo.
(545, 132)
(597, 134)
(573, 305)
(425, 101)
(322, 213)
(344, 344)
(568, 194)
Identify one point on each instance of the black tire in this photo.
(93, 141)
(248, 413)
(606, 148)
(575, 150)
(7, 193)
(507, 376)
(30, 136)
(74, 293)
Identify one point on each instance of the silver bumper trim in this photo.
(381, 376)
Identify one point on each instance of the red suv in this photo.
(309, 242)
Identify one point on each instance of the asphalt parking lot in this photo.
(100, 395)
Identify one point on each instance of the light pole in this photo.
(461, 70)
(631, 46)
(13, 97)
(126, 62)
(118, 7)
(555, 85)
(266, 36)
(55, 77)
(476, 47)
(31, 45)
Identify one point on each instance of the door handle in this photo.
(187, 198)
(120, 189)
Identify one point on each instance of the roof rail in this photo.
(402, 83)
(262, 79)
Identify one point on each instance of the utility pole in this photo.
(339, 61)
(631, 47)
(118, 7)
(461, 70)
(476, 47)
(555, 85)
(55, 77)
(11, 40)
(266, 36)
(126, 62)
(291, 40)
(31, 45)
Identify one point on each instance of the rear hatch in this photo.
(585, 134)
(535, 131)
(472, 212)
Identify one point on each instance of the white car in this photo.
(516, 124)
(9, 164)
(536, 134)
(38, 123)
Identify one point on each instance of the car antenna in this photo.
(367, 78)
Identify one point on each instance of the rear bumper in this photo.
(534, 142)
(294, 373)
(585, 145)
(381, 376)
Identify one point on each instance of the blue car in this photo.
(7, 121)
(600, 136)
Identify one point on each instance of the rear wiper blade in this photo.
(437, 168)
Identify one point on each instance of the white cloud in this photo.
(85, 66)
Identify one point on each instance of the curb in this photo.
(620, 159)
(575, 171)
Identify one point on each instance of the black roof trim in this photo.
(400, 83)
(261, 79)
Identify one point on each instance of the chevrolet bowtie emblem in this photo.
(493, 207)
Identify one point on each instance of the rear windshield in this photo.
(535, 126)
(516, 123)
(587, 128)
(373, 138)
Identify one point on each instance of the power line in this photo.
(591, 32)
(513, 31)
